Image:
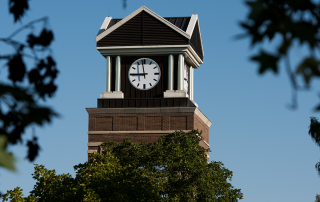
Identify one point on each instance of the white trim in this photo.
(133, 132)
(192, 24)
(106, 23)
(195, 54)
(94, 144)
(91, 151)
(202, 117)
(203, 140)
(134, 47)
(150, 50)
(142, 8)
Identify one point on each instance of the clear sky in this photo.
(253, 133)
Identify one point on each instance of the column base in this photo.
(175, 93)
(112, 94)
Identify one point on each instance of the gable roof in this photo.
(183, 26)
(142, 8)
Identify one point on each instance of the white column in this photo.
(170, 73)
(118, 72)
(108, 85)
(191, 82)
(180, 72)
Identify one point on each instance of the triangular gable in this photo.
(142, 30)
(132, 15)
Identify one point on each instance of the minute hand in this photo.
(143, 70)
(141, 74)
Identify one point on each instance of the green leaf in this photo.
(6, 159)
(266, 62)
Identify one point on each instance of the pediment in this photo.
(146, 28)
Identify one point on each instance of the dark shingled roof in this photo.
(180, 22)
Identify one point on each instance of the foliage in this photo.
(173, 169)
(290, 21)
(31, 74)
(314, 132)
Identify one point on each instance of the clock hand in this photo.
(141, 74)
(143, 69)
(138, 70)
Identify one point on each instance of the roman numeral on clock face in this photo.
(157, 73)
(144, 86)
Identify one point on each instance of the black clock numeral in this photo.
(155, 79)
(144, 86)
(133, 68)
(155, 67)
(150, 63)
(157, 73)
(150, 84)
(138, 63)
(133, 80)
(138, 84)
(144, 61)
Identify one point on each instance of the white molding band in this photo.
(180, 72)
(203, 117)
(118, 73)
(187, 50)
(142, 8)
(94, 144)
(108, 84)
(91, 151)
(170, 72)
(192, 24)
(202, 140)
(105, 23)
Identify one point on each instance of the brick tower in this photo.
(150, 79)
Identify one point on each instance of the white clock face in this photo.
(185, 82)
(144, 74)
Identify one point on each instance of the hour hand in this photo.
(141, 74)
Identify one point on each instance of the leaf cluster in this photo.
(314, 132)
(291, 20)
(31, 77)
(175, 168)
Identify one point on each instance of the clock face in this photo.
(144, 74)
(185, 80)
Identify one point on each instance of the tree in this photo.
(287, 23)
(175, 168)
(31, 75)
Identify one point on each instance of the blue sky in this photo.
(253, 133)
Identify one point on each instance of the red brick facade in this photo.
(141, 127)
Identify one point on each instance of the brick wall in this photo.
(142, 122)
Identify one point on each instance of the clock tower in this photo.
(150, 63)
